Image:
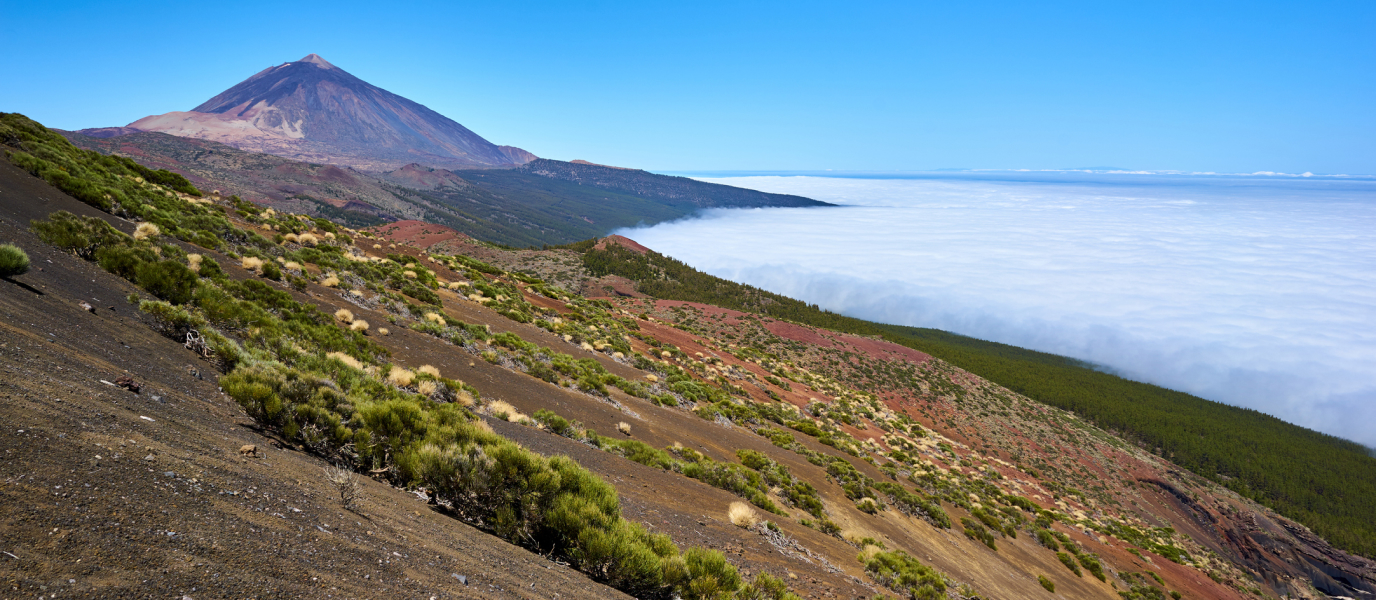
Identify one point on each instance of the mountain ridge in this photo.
(314, 111)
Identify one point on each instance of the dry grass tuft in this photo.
(377, 246)
(356, 293)
(624, 428)
(359, 325)
(344, 315)
(146, 230)
(252, 263)
(290, 237)
(741, 515)
(400, 377)
(502, 410)
(383, 331)
(194, 261)
(409, 274)
(292, 265)
(458, 284)
(435, 317)
(429, 370)
(483, 426)
(330, 282)
(346, 359)
(308, 239)
(466, 399)
(651, 378)
(427, 387)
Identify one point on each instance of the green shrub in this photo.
(1092, 565)
(13, 261)
(124, 260)
(709, 576)
(556, 424)
(81, 236)
(1047, 583)
(169, 280)
(902, 573)
(271, 270)
(1069, 563)
(766, 587)
(1045, 538)
(976, 531)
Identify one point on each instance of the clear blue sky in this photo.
(765, 86)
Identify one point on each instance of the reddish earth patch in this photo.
(417, 233)
(610, 286)
(624, 242)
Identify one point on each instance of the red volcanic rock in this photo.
(622, 241)
(417, 233)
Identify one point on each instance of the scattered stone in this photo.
(87, 307)
(462, 579)
(248, 449)
(128, 383)
(149, 457)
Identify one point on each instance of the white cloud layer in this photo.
(1255, 293)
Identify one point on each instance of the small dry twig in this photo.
(346, 482)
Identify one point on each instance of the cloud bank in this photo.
(1255, 293)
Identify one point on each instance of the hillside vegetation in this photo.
(333, 390)
(1324, 482)
(558, 203)
(680, 191)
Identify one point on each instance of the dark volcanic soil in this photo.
(108, 493)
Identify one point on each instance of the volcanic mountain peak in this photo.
(314, 111)
(318, 60)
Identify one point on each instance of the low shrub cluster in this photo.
(902, 573)
(13, 261)
(977, 531)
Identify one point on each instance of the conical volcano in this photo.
(314, 111)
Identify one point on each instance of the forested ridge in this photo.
(1324, 482)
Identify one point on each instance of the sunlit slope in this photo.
(1324, 482)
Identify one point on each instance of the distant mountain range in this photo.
(313, 111)
(542, 202)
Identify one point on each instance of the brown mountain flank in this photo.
(313, 111)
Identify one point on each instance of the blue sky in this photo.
(765, 86)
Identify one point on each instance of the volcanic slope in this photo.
(697, 407)
(111, 493)
(311, 110)
(510, 207)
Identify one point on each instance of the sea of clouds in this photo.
(1251, 291)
